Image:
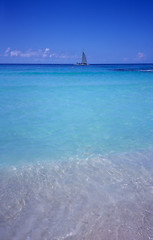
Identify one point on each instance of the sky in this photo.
(55, 31)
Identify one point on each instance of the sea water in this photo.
(76, 152)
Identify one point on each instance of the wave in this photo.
(81, 199)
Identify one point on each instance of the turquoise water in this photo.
(55, 112)
(76, 146)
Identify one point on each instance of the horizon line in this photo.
(75, 63)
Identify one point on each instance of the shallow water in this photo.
(107, 197)
(76, 152)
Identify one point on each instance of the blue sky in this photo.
(109, 31)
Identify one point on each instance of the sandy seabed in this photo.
(96, 198)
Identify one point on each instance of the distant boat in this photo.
(84, 60)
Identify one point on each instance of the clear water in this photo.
(76, 146)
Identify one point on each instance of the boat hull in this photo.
(82, 64)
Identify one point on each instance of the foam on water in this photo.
(107, 197)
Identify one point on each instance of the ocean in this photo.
(76, 152)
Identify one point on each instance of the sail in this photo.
(84, 60)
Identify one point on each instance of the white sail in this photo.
(84, 59)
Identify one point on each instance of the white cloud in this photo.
(140, 55)
(39, 54)
(52, 55)
(47, 50)
(15, 53)
(26, 54)
(7, 51)
(46, 53)
(31, 53)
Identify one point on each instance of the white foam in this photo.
(107, 197)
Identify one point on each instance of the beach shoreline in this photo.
(105, 197)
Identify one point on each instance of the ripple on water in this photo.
(104, 197)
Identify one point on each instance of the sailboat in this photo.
(84, 59)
